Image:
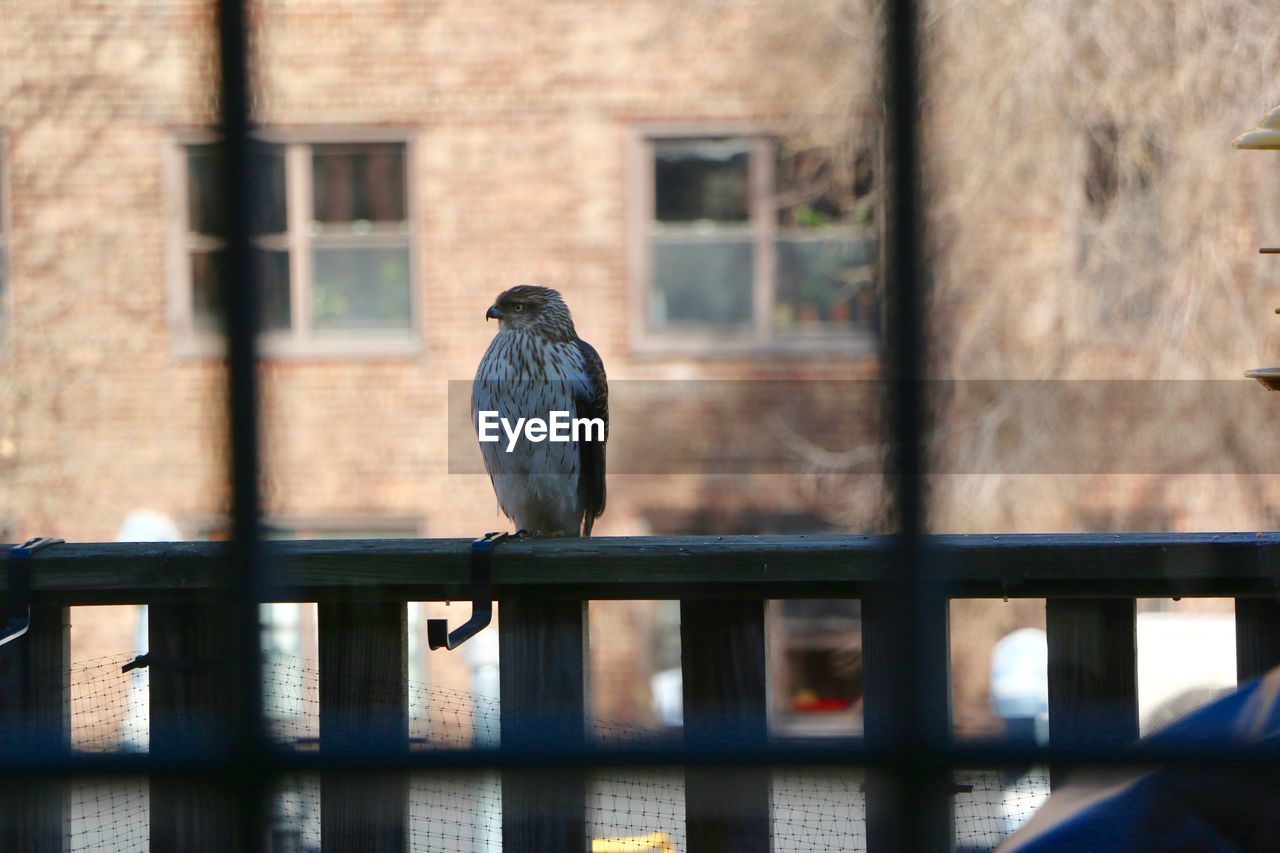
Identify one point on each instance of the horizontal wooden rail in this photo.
(1089, 583)
(1018, 566)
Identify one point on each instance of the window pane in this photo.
(707, 282)
(361, 288)
(701, 179)
(819, 683)
(208, 271)
(825, 280)
(273, 272)
(270, 205)
(820, 187)
(205, 213)
(359, 183)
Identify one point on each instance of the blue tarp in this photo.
(1208, 809)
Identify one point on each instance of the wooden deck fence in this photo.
(1090, 583)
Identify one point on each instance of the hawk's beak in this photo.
(493, 313)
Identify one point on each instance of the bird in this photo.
(537, 365)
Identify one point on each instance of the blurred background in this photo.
(702, 180)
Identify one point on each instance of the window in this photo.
(332, 238)
(816, 647)
(747, 240)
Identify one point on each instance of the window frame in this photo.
(301, 340)
(763, 339)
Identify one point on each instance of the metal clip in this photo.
(140, 662)
(20, 587)
(438, 634)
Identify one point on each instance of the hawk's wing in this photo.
(591, 400)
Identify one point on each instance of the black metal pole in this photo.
(240, 298)
(913, 718)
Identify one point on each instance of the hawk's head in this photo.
(534, 308)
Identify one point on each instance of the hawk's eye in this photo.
(517, 307)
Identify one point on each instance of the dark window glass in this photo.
(702, 179)
(273, 278)
(206, 218)
(205, 212)
(270, 206)
(359, 183)
(208, 273)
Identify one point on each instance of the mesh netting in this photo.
(813, 809)
(106, 710)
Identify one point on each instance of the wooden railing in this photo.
(1090, 583)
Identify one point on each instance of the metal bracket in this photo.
(140, 662)
(144, 661)
(19, 593)
(438, 634)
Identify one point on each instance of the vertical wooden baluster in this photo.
(723, 653)
(1257, 637)
(542, 655)
(884, 790)
(1093, 677)
(35, 706)
(193, 652)
(364, 688)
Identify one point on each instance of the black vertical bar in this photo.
(240, 298)
(1093, 673)
(364, 700)
(722, 656)
(1257, 637)
(880, 675)
(192, 695)
(35, 707)
(542, 664)
(911, 607)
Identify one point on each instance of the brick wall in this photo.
(520, 115)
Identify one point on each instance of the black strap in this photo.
(19, 592)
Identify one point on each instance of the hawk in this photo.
(535, 366)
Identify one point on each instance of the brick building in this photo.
(677, 168)
(666, 165)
